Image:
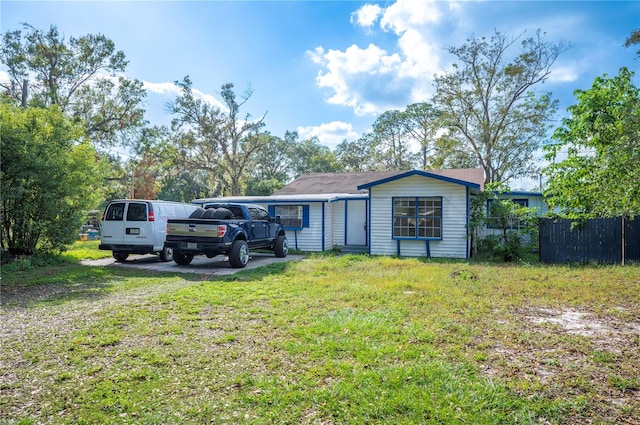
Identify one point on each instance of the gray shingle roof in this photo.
(317, 183)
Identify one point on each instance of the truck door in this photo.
(259, 226)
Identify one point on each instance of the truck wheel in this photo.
(281, 246)
(120, 256)
(182, 258)
(239, 254)
(166, 254)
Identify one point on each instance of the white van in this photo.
(139, 226)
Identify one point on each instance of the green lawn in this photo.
(327, 340)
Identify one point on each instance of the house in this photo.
(406, 213)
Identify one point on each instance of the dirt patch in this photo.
(570, 351)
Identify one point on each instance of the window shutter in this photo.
(272, 210)
(305, 216)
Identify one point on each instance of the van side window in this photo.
(137, 212)
(115, 212)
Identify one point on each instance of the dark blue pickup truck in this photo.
(225, 228)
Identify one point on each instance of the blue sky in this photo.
(329, 68)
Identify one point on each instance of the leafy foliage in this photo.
(488, 104)
(219, 142)
(600, 176)
(48, 174)
(78, 75)
(634, 38)
(516, 225)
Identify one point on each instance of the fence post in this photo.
(623, 240)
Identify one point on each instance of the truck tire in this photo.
(281, 246)
(223, 214)
(208, 213)
(166, 254)
(120, 256)
(197, 213)
(182, 258)
(239, 254)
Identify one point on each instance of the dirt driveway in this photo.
(217, 266)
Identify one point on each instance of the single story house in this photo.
(406, 213)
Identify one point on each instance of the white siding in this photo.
(309, 238)
(328, 225)
(338, 223)
(454, 218)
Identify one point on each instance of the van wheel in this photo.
(166, 254)
(239, 254)
(120, 256)
(281, 246)
(182, 258)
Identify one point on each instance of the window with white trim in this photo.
(417, 217)
(290, 216)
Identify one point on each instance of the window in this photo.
(417, 217)
(494, 220)
(115, 212)
(290, 216)
(258, 213)
(137, 212)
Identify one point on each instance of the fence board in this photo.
(594, 240)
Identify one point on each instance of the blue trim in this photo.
(366, 233)
(323, 226)
(520, 193)
(418, 173)
(468, 233)
(428, 247)
(305, 215)
(272, 210)
(416, 237)
(346, 221)
(398, 247)
(295, 237)
(369, 223)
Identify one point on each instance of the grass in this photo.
(328, 340)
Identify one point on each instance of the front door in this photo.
(356, 222)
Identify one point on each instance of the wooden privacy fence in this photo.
(599, 240)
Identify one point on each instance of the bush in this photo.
(499, 248)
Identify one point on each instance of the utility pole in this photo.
(25, 89)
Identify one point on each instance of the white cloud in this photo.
(367, 15)
(371, 80)
(409, 14)
(563, 74)
(329, 134)
(357, 75)
(169, 89)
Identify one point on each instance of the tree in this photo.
(634, 38)
(310, 156)
(391, 138)
(358, 155)
(79, 76)
(422, 122)
(600, 176)
(221, 143)
(271, 166)
(48, 176)
(489, 105)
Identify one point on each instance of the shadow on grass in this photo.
(64, 283)
(257, 274)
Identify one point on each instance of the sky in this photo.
(330, 68)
